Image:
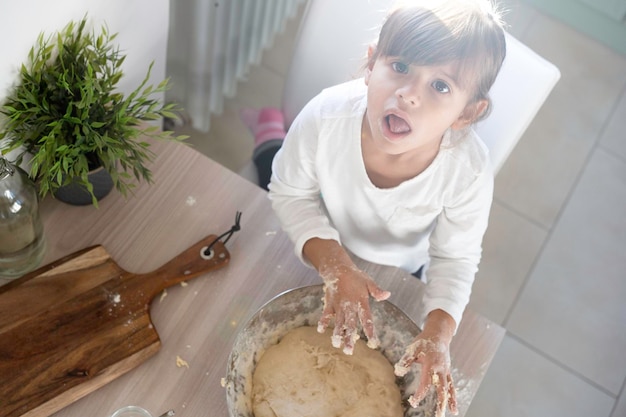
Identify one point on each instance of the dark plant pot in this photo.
(77, 195)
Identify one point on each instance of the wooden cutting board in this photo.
(74, 325)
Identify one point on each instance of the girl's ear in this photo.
(371, 49)
(471, 112)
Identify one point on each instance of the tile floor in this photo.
(555, 251)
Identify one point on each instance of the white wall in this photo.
(142, 26)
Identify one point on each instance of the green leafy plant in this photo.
(67, 113)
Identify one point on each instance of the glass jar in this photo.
(132, 411)
(21, 231)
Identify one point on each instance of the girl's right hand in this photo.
(346, 299)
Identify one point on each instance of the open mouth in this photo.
(397, 125)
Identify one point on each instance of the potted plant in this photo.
(66, 114)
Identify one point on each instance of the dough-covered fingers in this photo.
(411, 356)
(344, 338)
(345, 332)
(446, 394)
(452, 404)
(350, 333)
(328, 313)
(441, 388)
(376, 292)
(365, 317)
(324, 322)
(422, 389)
(338, 330)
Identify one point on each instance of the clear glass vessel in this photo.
(22, 242)
(131, 411)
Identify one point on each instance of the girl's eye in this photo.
(441, 87)
(400, 67)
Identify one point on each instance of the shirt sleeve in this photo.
(456, 248)
(294, 188)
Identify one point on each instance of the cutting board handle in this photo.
(188, 264)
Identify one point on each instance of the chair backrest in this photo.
(331, 47)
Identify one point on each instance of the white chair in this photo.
(331, 46)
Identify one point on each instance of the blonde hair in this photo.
(469, 33)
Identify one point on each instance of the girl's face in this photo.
(410, 107)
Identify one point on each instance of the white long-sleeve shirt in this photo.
(320, 188)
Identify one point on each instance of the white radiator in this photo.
(212, 45)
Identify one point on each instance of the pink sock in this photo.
(265, 124)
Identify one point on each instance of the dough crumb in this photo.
(180, 362)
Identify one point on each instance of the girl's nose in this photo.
(408, 94)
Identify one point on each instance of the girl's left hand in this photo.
(431, 349)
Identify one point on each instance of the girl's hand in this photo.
(431, 349)
(346, 299)
(346, 293)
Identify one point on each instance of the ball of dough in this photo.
(304, 375)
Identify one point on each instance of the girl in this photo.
(387, 167)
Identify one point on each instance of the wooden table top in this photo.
(192, 197)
